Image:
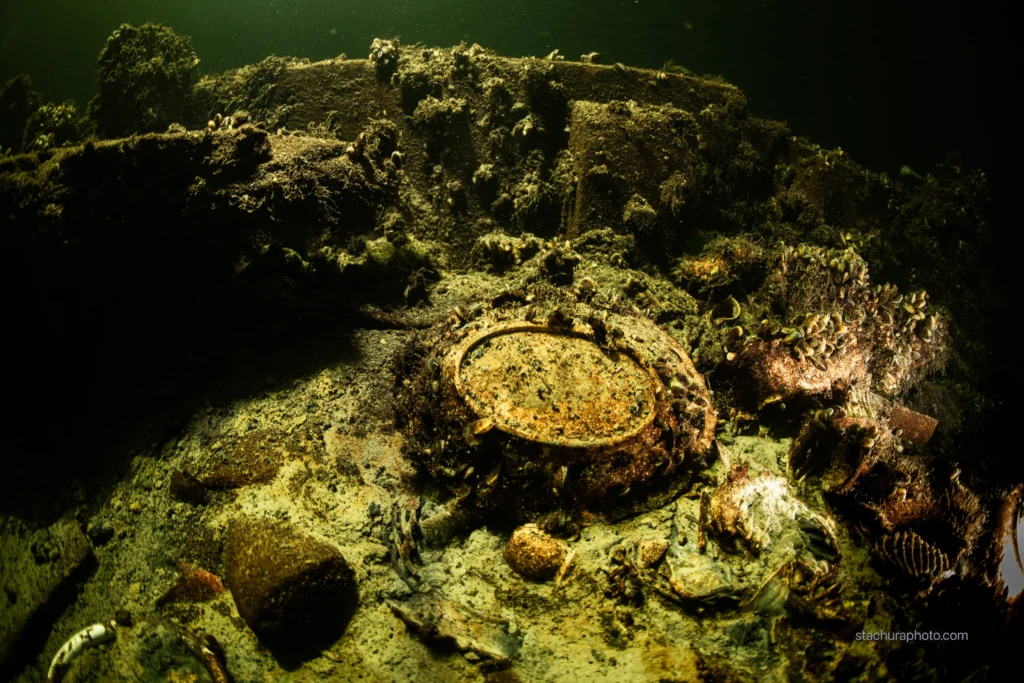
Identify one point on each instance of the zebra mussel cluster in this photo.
(384, 55)
(814, 338)
(910, 339)
(903, 314)
(828, 282)
(846, 263)
(839, 304)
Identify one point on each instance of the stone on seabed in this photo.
(287, 585)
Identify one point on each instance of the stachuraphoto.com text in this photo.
(913, 636)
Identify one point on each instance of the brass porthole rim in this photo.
(511, 328)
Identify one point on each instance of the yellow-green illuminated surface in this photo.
(556, 388)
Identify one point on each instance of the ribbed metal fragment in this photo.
(913, 555)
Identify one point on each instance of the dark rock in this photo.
(254, 461)
(43, 549)
(255, 458)
(297, 593)
(100, 532)
(187, 488)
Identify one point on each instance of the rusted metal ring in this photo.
(458, 355)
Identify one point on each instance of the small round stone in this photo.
(534, 554)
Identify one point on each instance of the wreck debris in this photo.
(756, 512)
(500, 252)
(90, 636)
(566, 567)
(541, 422)
(814, 591)
(839, 449)
(702, 583)
(838, 331)
(915, 556)
(1015, 527)
(402, 541)
(1016, 519)
(625, 580)
(159, 632)
(855, 456)
(596, 403)
(650, 552)
(915, 427)
(438, 524)
(254, 458)
(207, 650)
(287, 585)
(439, 620)
(794, 568)
(631, 565)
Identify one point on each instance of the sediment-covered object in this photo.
(287, 586)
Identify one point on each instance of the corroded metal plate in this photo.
(587, 411)
(555, 387)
